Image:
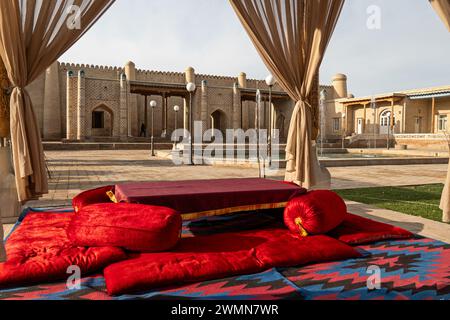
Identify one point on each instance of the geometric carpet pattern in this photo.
(409, 270)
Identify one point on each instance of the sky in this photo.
(408, 48)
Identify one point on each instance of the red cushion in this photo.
(39, 251)
(130, 226)
(357, 230)
(222, 255)
(90, 197)
(316, 212)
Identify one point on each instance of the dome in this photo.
(339, 77)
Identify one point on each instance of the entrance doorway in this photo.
(360, 127)
(418, 125)
(218, 121)
(385, 122)
(102, 122)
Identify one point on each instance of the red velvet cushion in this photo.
(317, 212)
(130, 226)
(222, 255)
(39, 251)
(90, 197)
(357, 230)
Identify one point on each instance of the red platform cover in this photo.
(39, 251)
(356, 230)
(200, 198)
(133, 227)
(222, 255)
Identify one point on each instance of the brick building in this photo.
(94, 103)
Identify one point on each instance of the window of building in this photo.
(336, 124)
(98, 120)
(442, 123)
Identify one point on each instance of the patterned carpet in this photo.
(415, 269)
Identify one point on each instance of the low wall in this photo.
(423, 141)
(436, 142)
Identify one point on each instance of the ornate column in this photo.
(71, 115)
(81, 106)
(164, 116)
(236, 106)
(133, 126)
(123, 107)
(204, 105)
(52, 104)
(186, 113)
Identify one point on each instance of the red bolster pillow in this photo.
(87, 198)
(315, 213)
(133, 227)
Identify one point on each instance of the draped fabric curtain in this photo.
(442, 7)
(34, 34)
(292, 36)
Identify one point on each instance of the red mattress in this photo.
(200, 198)
(217, 256)
(40, 251)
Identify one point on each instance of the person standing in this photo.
(143, 131)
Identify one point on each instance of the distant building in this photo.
(76, 102)
(418, 118)
(95, 103)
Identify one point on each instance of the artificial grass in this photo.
(420, 201)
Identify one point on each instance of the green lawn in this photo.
(420, 201)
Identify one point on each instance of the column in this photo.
(365, 118)
(163, 115)
(52, 104)
(81, 106)
(204, 105)
(346, 119)
(236, 106)
(186, 113)
(133, 130)
(433, 115)
(145, 115)
(166, 116)
(392, 124)
(404, 118)
(71, 116)
(123, 108)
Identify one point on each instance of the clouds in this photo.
(409, 51)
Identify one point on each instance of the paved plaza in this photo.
(75, 171)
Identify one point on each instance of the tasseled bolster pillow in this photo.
(133, 227)
(315, 213)
(90, 197)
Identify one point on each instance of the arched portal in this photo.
(102, 121)
(385, 122)
(218, 121)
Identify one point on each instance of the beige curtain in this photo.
(34, 34)
(291, 36)
(442, 8)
